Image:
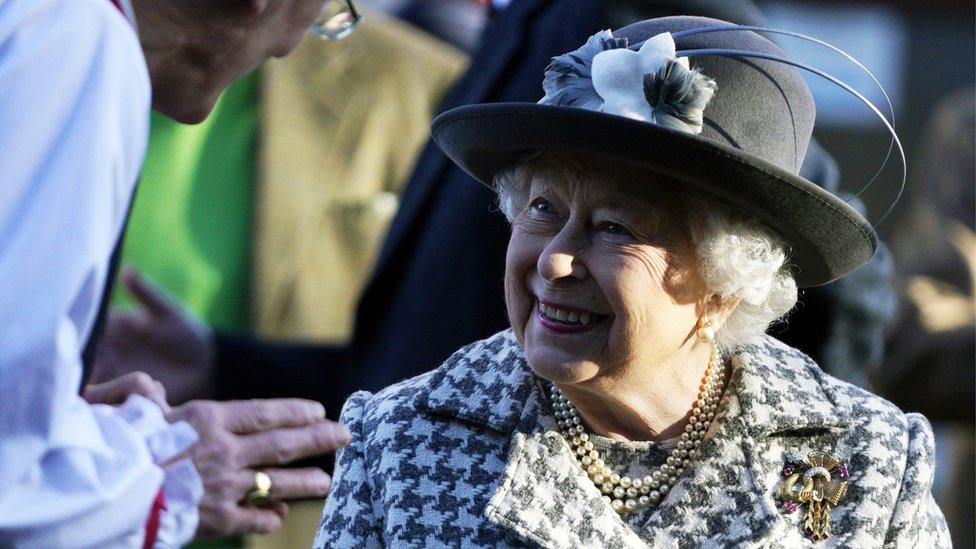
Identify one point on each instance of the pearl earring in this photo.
(705, 331)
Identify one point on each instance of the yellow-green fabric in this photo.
(279, 234)
(341, 126)
(190, 227)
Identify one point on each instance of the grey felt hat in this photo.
(745, 149)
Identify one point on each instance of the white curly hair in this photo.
(738, 258)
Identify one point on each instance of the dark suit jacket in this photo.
(438, 284)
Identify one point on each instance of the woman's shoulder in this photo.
(879, 425)
(869, 418)
(865, 409)
(796, 365)
(890, 453)
(475, 379)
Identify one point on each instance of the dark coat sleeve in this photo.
(249, 367)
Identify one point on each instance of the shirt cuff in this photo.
(181, 485)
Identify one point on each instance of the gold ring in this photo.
(261, 493)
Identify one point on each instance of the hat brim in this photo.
(828, 238)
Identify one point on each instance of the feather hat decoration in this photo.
(569, 81)
(735, 127)
(650, 84)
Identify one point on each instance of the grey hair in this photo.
(738, 258)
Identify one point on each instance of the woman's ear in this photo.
(720, 309)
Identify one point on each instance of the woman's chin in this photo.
(563, 357)
(561, 370)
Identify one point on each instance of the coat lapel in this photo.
(546, 499)
(726, 497)
(722, 496)
(543, 498)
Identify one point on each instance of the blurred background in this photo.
(269, 216)
(923, 54)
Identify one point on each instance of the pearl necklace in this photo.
(626, 495)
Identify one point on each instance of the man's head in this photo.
(196, 48)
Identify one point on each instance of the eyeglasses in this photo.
(337, 20)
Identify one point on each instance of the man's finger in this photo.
(147, 293)
(279, 507)
(255, 520)
(252, 416)
(285, 445)
(308, 482)
(116, 391)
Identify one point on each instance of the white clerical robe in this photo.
(74, 112)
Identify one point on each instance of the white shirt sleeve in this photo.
(74, 112)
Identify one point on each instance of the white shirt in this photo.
(74, 113)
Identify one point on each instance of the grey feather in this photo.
(568, 80)
(678, 96)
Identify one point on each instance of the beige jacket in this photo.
(342, 124)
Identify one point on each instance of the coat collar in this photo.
(773, 389)
(489, 384)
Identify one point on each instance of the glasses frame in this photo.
(356, 19)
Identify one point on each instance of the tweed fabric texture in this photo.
(468, 455)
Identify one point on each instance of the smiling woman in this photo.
(659, 226)
(736, 258)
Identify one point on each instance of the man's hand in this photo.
(116, 391)
(239, 437)
(158, 338)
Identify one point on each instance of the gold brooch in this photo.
(818, 481)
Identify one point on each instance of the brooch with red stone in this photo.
(819, 481)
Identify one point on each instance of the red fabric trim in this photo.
(152, 523)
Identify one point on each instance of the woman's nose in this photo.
(561, 258)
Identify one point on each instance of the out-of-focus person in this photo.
(269, 215)
(336, 149)
(119, 468)
(934, 250)
(931, 365)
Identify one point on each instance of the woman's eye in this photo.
(615, 229)
(541, 205)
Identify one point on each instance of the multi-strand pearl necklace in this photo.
(626, 495)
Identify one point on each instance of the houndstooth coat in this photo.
(468, 455)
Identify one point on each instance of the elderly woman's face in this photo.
(600, 277)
